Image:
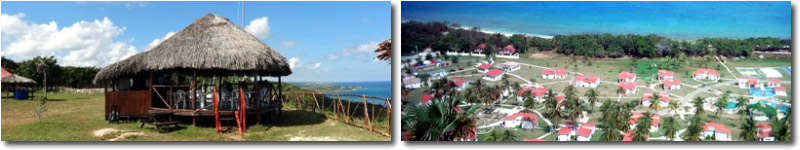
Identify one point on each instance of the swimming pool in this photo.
(781, 108)
(787, 69)
(763, 92)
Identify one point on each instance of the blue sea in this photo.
(679, 20)
(382, 89)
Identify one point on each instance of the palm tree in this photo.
(674, 106)
(670, 127)
(577, 110)
(554, 114)
(492, 137)
(721, 103)
(698, 105)
(609, 121)
(780, 129)
(694, 130)
(529, 103)
(742, 107)
(569, 92)
(748, 130)
(441, 122)
(655, 103)
(592, 96)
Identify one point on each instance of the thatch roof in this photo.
(211, 45)
(385, 50)
(15, 79)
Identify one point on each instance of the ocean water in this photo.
(382, 89)
(680, 20)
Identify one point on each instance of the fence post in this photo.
(336, 107)
(366, 113)
(388, 116)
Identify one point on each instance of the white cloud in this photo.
(332, 57)
(84, 43)
(287, 44)
(158, 41)
(259, 27)
(139, 4)
(317, 65)
(363, 48)
(294, 62)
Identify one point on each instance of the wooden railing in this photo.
(357, 110)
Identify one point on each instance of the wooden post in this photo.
(194, 96)
(349, 101)
(315, 102)
(388, 116)
(366, 112)
(243, 110)
(336, 107)
(216, 110)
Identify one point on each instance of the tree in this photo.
(748, 130)
(698, 105)
(441, 122)
(28, 68)
(592, 96)
(780, 129)
(721, 103)
(9, 65)
(655, 103)
(508, 136)
(529, 103)
(695, 129)
(674, 106)
(669, 125)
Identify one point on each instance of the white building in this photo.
(765, 132)
(717, 130)
(705, 74)
(748, 83)
(628, 87)
(460, 83)
(510, 66)
(527, 121)
(672, 84)
(627, 77)
(412, 83)
(664, 74)
(494, 75)
(586, 81)
(565, 134)
(554, 74)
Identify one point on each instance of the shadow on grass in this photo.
(299, 117)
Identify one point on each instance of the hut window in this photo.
(125, 83)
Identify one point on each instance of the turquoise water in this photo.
(680, 20)
(382, 89)
(731, 105)
(775, 105)
(763, 93)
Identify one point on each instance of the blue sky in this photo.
(324, 41)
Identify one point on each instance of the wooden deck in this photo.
(202, 113)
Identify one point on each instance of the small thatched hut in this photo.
(15, 81)
(213, 48)
(385, 50)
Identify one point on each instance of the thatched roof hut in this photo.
(15, 79)
(385, 50)
(211, 45)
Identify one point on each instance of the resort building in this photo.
(483, 68)
(479, 49)
(771, 83)
(494, 75)
(663, 98)
(586, 81)
(627, 77)
(765, 132)
(561, 103)
(672, 84)
(470, 136)
(460, 83)
(425, 100)
(510, 66)
(537, 93)
(705, 74)
(748, 83)
(664, 74)
(508, 50)
(565, 134)
(780, 91)
(717, 130)
(628, 87)
(554, 74)
(655, 119)
(584, 134)
(527, 121)
(412, 83)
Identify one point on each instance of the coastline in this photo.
(505, 33)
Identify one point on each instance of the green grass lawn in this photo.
(74, 117)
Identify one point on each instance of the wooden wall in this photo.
(131, 103)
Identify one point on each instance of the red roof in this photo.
(564, 130)
(780, 88)
(484, 66)
(629, 136)
(627, 85)
(560, 71)
(525, 116)
(588, 124)
(773, 81)
(494, 72)
(459, 81)
(626, 75)
(560, 97)
(670, 82)
(426, 98)
(533, 140)
(509, 48)
(538, 92)
(706, 71)
(482, 46)
(662, 73)
(752, 81)
(586, 78)
(635, 118)
(584, 132)
(717, 127)
(4, 73)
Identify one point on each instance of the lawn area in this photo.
(75, 117)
